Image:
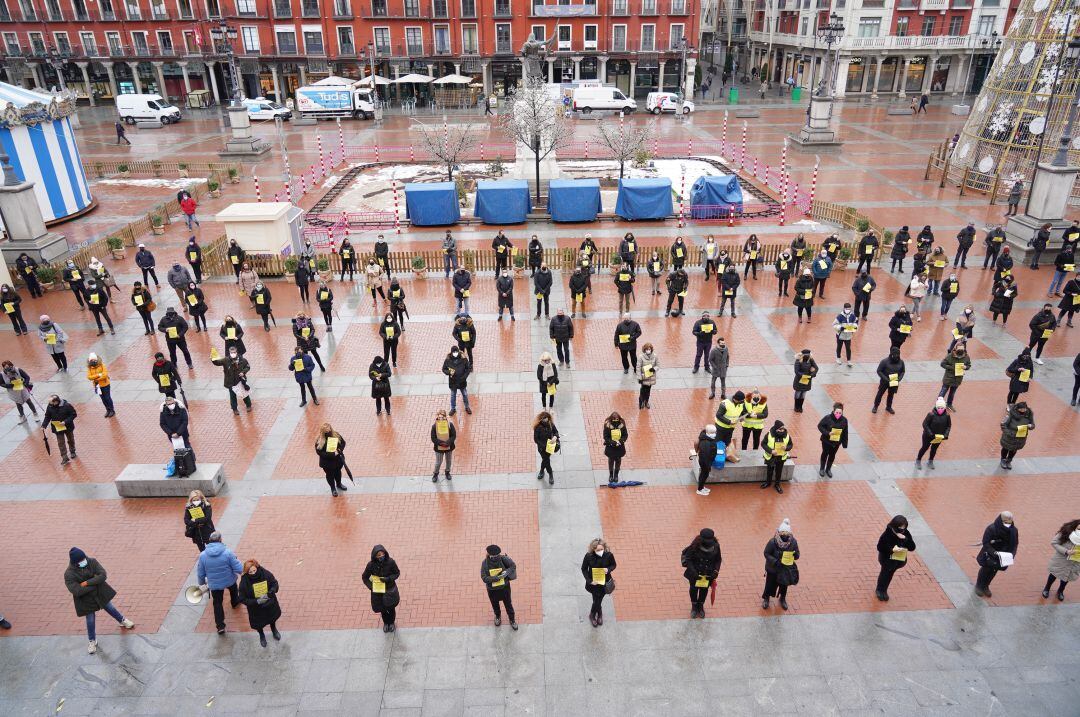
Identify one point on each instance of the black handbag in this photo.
(391, 597)
(609, 586)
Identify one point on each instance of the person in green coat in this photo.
(1019, 421)
(85, 580)
(956, 364)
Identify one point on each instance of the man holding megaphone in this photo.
(219, 568)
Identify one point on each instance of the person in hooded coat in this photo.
(806, 369)
(18, 385)
(380, 577)
(195, 301)
(890, 371)
(380, 372)
(804, 296)
(615, 433)
(1020, 373)
(546, 439)
(55, 339)
(85, 580)
(901, 243)
(1018, 423)
(9, 302)
(936, 427)
(330, 447)
(1000, 537)
(173, 421)
(1042, 327)
(302, 277)
(701, 561)
(706, 449)
(233, 334)
(464, 332)
(259, 592)
(496, 571)
(833, 428)
(260, 298)
(781, 570)
(1065, 560)
(596, 568)
(893, 548)
(198, 519)
(218, 568)
(900, 327)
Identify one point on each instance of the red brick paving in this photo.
(435, 295)
(975, 432)
(268, 353)
(29, 354)
(1035, 502)
(1065, 342)
(837, 526)
(401, 445)
(317, 548)
(140, 543)
(107, 446)
(662, 436)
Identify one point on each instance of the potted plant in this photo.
(99, 169)
(862, 225)
(155, 166)
(616, 262)
(887, 238)
(519, 265)
(122, 170)
(419, 266)
(116, 246)
(157, 224)
(322, 264)
(46, 276)
(234, 175)
(641, 158)
(215, 188)
(291, 262)
(183, 170)
(844, 256)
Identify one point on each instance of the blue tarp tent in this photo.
(713, 197)
(574, 200)
(431, 205)
(644, 199)
(505, 201)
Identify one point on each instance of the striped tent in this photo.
(36, 135)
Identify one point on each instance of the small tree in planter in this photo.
(887, 238)
(291, 263)
(183, 170)
(843, 257)
(155, 166)
(616, 262)
(322, 264)
(99, 169)
(122, 170)
(862, 225)
(419, 266)
(157, 224)
(116, 246)
(234, 175)
(214, 187)
(46, 276)
(519, 265)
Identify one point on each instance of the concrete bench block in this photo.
(298, 121)
(899, 110)
(148, 480)
(148, 124)
(961, 110)
(749, 469)
(747, 114)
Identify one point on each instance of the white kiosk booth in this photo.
(264, 227)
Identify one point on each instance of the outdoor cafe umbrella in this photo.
(414, 78)
(379, 80)
(453, 80)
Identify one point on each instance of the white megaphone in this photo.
(194, 594)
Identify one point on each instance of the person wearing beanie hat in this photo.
(804, 296)
(98, 376)
(85, 580)
(175, 327)
(1065, 562)
(1020, 373)
(781, 571)
(728, 415)
(892, 547)
(833, 428)
(704, 330)
(1000, 541)
(144, 304)
(1019, 421)
(165, 375)
(806, 369)
(935, 430)
(706, 449)
(146, 263)
(497, 570)
(701, 560)
(776, 448)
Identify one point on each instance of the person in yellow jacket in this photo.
(728, 415)
(98, 375)
(755, 411)
(776, 448)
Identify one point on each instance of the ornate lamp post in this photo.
(830, 33)
(223, 36)
(815, 134)
(242, 143)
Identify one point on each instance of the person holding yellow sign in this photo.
(956, 364)
(935, 265)
(867, 252)
(893, 549)
(258, 591)
(1018, 424)
(1005, 292)
(496, 571)
(55, 340)
(627, 333)
(166, 378)
(900, 327)
(536, 255)
(9, 302)
(1065, 562)
(233, 334)
(596, 567)
(776, 449)
(464, 332)
(98, 301)
(1020, 373)
(144, 304)
(98, 376)
(546, 438)
(390, 331)
(542, 281)
(175, 327)
(548, 377)
(60, 416)
(728, 285)
(624, 284)
(890, 371)
(1064, 263)
(444, 441)
(615, 434)
(677, 283)
(235, 369)
(845, 325)
(751, 256)
(303, 329)
(580, 287)
(260, 299)
(380, 577)
(804, 296)
(330, 448)
(785, 266)
(647, 366)
(679, 253)
(628, 251)
(198, 519)
(1070, 302)
(380, 372)
(806, 369)
(701, 560)
(302, 367)
(936, 427)
(1042, 326)
(18, 385)
(195, 300)
(503, 249)
(781, 570)
(833, 428)
(704, 330)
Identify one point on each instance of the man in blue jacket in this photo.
(301, 366)
(219, 568)
(820, 270)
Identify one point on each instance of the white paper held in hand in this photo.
(178, 443)
(1006, 559)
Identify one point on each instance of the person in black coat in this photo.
(382, 255)
(235, 370)
(503, 249)
(380, 373)
(935, 430)
(175, 328)
(547, 377)
(464, 332)
(781, 570)
(965, 239)
(348, 258)
(893, 548)
(677, 283)
(380, 577)
(504, 287)
(560, 331)
(833, 428)
(390, 331)
(1020, 373)
(397, 302)
(1005, 292)
(198, 519)
(701, 560)
(706, 452)
(806, 369)
(325, 296)
(303, 278)
(536, 255)
(901, 243)
(900, 327)
(1001, 536)
(260, 298)
(546, 438)
(9, 302)
(1038, 242)
(1042, 326)
(303, 329)
(614, 437)
(85, 580)
(196, 302)
(542, 284)
(27, 270)
(457, 369)
(330, 447)
(596, 568)
(627, 333)
(233, 334)
(1076, 379)
(496, 572)
(890, 371)
(804, 296)
(60, 416)
(173, 420)
(258, 591)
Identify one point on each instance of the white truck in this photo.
(335, 100)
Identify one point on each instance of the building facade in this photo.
(100, 48)
(889, 47)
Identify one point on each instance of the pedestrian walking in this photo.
(450, 255)
(144, 259)
(1020, 373)
(901, 244)
(497, 570)
(845, 325)
(1042, 326)
(867, 251)
(728, 286)
(98, 376)
(704, 330)
(546, 438)
(579, 289)
(781, 568)
(701, 561)
(26, 268)
(330, 448)
(804, 296)
(444, 441)
(198, 519)
(380, 577)
(55, 340)
(301, 367)
(9, 301)
(542, 281)
(784, 267)
(1065, 560)
(893, 549)
(302, 277)
(900, 327)
(863, 288)
(235, 370)
(647, 366)
(19, 387)
(1000, 542)
(833, 428)
(806, 369)
(890, 372)
(325, 296)
(1017, 425)
(596, 568)
(175, 329)
(614, 436)
(956, 363)
(936, 427)
(504, 286)
(218, 568)
(121, 134)
(303, 329)
(390, 331)
(60, 416)
(457, 369)
(775, 449)
(380, 372)
(261, 298)
(98, 301)
(258, 591)
(547, 375)
(560, 331)
(187, 206)
(706, 449)
(85, 580)
(348, 259)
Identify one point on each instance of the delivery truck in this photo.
(335, 101)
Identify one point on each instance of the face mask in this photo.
(967, 312)
(599, 551)
(940, 411)
(837, 414)
(196, 502)
(83, 563)
(380, 558)
(454, 354)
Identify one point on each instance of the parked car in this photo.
(587, 99)
(263, 109)
(135, 107)
(658, 102)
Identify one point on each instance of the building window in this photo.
(539, 33)
(5, 16)
(282, 8)
(157, 10)
(676, 35)
(869, 26)
(313, 42)
(138, 40)
(378, 8)
(678, 7)
(648, 7)
(309, 8)
(115, 46)
(245, 7)
(928, 24)
(63, 44)
(184, 8)
(250, 37)
(502, 8)
(286, 42)
(412, 8)
(618, 38)
(590, 37)
(986, 24)
(620, 7)
(439, 9)
(78, 5)
(213, 8)
(442, 39)
(414, 41)
(37, 43)
(502, 39)
(131, 7)
(11, 43)
(382, 41)
(565, 37)
(468, 40)
(956, 24)
(89, 44)
(901, 27)
(648, 38)
(345, 43)
(468, 8)
(53, 6)
(164, 41)
(27, 9)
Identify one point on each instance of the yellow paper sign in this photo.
(905, 328)
(938, 438)
(899, 554)
(346, 254)
(869, 249)
(835, 434)
(138, 299)
(682, 293)
(679, 253)
(298, 364)
(498, 583)
(656, 266)
(808, 294)
(193, 255)
(9, 308)
(1075, 555)
(630, 247)
(624, 338)
(701, 582)
(799, 253)
(230, 333)
(616, 434)
(17, 384)
(1076, 300)
(539, 295)
(1047, 333)
(552, 445)
(624, 277)
(331, 444)
(894, 379)
(954, 288)
(58, 426)
(164, 380)
(823, 264)
(396, 293)
(1025, 375)
(707, 328)
(500, 248)
(783, 266)
(958, 369)
(867, 288)
(95, 298)
(192, 299)
(75, 276)
(260, 299)
(580, 298)
(465, 293)
(804, 379)
(465, 336)
(753, 254)
(1068, 267)
(939, 264)
(389, 332)
(377, 585)
(1022, 431)
(196, 512)
(172, 332)
(787, 557)
(648, 371)
(324, 296)
(305, 332)
(260, 589)
(213, 354)
(851, 328)
(551, 388)
(599, 576)
(956, 333)
(729, 292)
(50, 338)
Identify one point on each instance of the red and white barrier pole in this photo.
(586, 149)
(731, 215)
(656, 146)
(377, 151)
(258, 194)
(689, 148)
(783, 184)
(723, 137)
(412, 157)
(755, 166)
(766, 176)
(322, 159)
(813, 185)
(481, 151)
(340, 139)
(303, 184)
(397, 214)
(742, 154)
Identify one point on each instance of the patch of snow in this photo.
(163, 183)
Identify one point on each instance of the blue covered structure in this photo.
(431, 205)
(713, 196)
(504, 201)
(644, 199)
(574, 200)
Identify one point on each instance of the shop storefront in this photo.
(505, 75)
(618, 74)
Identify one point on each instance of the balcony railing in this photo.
(504, 48)
(415, 49)
(907, 4)
(346, 49)
(934, 4)
(157, 14)
(383, 51)
(888, 42)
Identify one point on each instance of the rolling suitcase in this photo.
(185, 461)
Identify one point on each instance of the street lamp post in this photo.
(830, 33)
(1061, 158)
(374, 85)
(815, 133)
(224, 34)
(685, 48)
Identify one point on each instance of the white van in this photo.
(261, 108)
(146, 107)
(587, 99)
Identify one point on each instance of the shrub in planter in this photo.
(844, 256)
(419, 265)
(290, 264)
(887, 238)
(46, 275)
(157, 224)
(122, 170)
(116, 246)
(234, 175)
(496, 168)
(862, 226)
(616, 262)
(214, 187)
(641, 158)
(182, 169)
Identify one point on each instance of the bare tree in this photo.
(448, 144)
(623, 140)
(536, 120)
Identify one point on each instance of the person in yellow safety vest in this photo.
(756, 410)
(775, 448)
(728, 415)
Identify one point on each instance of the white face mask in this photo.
(196, 502)
(599, 551)
(83, 563)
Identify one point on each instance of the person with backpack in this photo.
(496, 572)
(701, 560)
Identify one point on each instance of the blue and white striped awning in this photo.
(20, 106)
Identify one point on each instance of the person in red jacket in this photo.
(187, 206)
